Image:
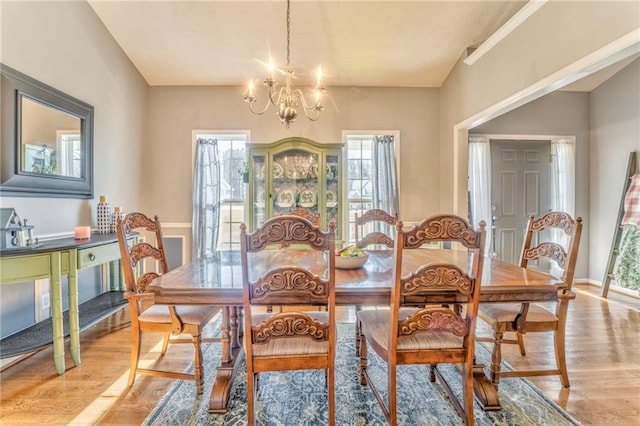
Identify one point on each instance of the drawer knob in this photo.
(92, 257)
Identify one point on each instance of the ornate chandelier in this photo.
(287, 99)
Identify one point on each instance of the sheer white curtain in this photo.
(480, 184)
(385, 179)
(563, 199)
(563, 168)
(206, 198)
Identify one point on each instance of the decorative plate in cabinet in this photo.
(307, 198)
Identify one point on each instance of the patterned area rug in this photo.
(299, 398)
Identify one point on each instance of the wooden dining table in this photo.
(217, 280)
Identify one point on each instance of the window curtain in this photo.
(385, 179)
(480, 185)
(206, 198)
(563, 176)
(562, 188)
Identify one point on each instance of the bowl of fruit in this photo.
(351, 257)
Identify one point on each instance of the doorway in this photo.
(520, 186)
(497, 161)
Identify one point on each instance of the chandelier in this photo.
(287, 99)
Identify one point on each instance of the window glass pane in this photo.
(232, 154)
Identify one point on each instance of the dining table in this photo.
(216, 279)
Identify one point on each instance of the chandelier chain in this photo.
(288, 32)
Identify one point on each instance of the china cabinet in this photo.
(295, 173)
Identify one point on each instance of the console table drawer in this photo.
(24, 268)
(98, 255)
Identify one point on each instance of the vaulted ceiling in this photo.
(390, 43)
(358, 43)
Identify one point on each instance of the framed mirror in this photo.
(47, 140)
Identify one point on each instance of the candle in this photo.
(82, 232)
(319, 75)
(251, 88)
(271, 68)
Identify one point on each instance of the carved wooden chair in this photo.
(374, 238)
(530, 318)
(416, 330)
(292, 340)
(172, 321)
(370, 217)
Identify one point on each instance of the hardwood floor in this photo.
(603, 355)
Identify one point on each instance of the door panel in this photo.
(520, 185)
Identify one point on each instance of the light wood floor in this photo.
(603, 351)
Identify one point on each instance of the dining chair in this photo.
(170, 320)
(529, 317)
(290, 340)
(375, 238)
(415, 330)
(372, 218)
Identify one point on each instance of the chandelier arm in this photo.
(298, 94)
(266, 107)
(278, 99)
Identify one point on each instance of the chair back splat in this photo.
(418, 328)
(293, 339)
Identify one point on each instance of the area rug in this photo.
(299, 397)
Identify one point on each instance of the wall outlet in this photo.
(45, 301)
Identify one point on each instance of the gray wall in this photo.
(174, 112)
(615, 132)
(562, 114)
(65, 45)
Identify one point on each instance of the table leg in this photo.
(231, 357)
(485, 392)
(74, 319)
(56, 312)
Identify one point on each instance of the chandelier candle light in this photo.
(287, 99)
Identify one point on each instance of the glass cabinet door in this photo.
(260, 194)
(295, 181)
(332, 194)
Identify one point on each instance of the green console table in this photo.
(57, 257)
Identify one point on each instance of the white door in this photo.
(520, 185)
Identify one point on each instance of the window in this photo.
(361, 179)
(232, 155)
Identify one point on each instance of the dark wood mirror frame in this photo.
(13, 180)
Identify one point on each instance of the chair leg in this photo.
(363, 359)
(520, 338)
(135, 353)
(393, 397)
(467, 394)
(432, 373)
(496, 358)
(197, 362)
(561, 362)
(331, 395)
(358, 309)
(251, 395)
(165, 343)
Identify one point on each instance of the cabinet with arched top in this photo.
(296, 173)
